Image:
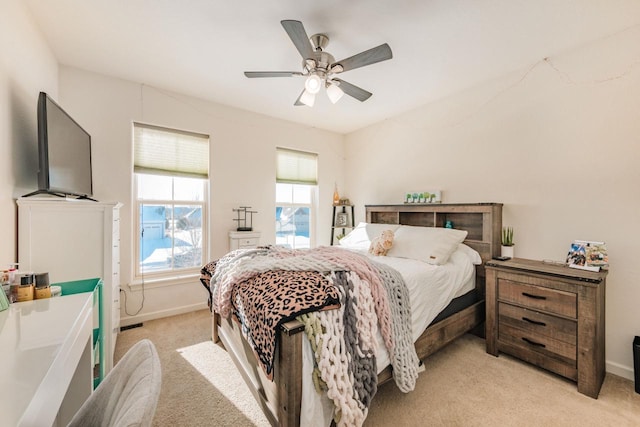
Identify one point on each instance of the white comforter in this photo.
(431, 289)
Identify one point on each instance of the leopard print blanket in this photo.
(262, 301)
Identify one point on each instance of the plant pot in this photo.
(507, 251)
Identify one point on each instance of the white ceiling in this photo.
(202, 47)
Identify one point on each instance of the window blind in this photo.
(163, 151)
(296, 167)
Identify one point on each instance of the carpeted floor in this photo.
(462, 386)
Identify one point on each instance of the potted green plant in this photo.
(506, 249)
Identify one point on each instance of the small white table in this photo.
(45, 360)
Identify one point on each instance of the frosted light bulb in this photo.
(313, 84)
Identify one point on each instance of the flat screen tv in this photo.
(64, 153)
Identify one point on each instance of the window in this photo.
(296, 189)
(171, 172)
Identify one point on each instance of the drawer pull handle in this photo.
(535, 322)
(537, 344)
(526, 294)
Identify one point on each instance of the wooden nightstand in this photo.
(549, 315)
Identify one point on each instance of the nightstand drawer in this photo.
(538, 298)
(248, 243)
(556, 328)
(531, 341)
(243, 239)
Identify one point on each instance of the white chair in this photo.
(128, 395)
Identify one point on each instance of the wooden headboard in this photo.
(482, 221)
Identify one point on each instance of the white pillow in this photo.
(433, 245)
(471, 253)
(360, 237)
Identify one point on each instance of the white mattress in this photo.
(431, 289)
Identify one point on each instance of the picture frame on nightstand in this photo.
(588, 255)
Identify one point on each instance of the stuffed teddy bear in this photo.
(381, 244)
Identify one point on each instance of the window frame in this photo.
(173, 272)
(297, 167)
(200, 173)
(312, 205)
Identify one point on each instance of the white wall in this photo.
(27, 66)
(557, 143)
(242, 168)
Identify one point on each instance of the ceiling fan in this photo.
(320, 68)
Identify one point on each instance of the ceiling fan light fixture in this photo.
(313, 84)
(319, 66)
(334, 93)
(308, 98)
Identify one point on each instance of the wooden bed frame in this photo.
(280, 399)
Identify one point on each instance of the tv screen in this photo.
(64, 150)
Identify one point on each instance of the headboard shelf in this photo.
(482, 221)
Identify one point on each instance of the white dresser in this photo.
(75, 240)
(243, 239)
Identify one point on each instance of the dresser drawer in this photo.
(538, 298)
(553, 327)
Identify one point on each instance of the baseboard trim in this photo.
(141, 318)
(620, 370)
